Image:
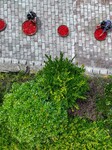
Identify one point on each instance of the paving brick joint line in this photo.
(18, 50)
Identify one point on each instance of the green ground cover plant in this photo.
(7, 79)
(34, 114)
(64, 81)
(104, 104)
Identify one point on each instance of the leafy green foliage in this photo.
(7, 79)
(64, 81)
(104, 104)
(83, 134)
(78, 134)
(29, 118)
(34, 114)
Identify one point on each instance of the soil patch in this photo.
(88, 108)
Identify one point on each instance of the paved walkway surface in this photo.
(90, 52)
(18, 50)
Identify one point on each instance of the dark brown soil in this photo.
(87, 108)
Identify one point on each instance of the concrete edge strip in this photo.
(15, 65)
(100, 71)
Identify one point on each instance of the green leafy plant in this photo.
(34, 114)
(64, 81)
(29, 118)
(7, 79)
(104, 104)
(83, 134)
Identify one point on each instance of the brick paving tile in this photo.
(80, 16)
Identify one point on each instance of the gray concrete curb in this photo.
(14, 65)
